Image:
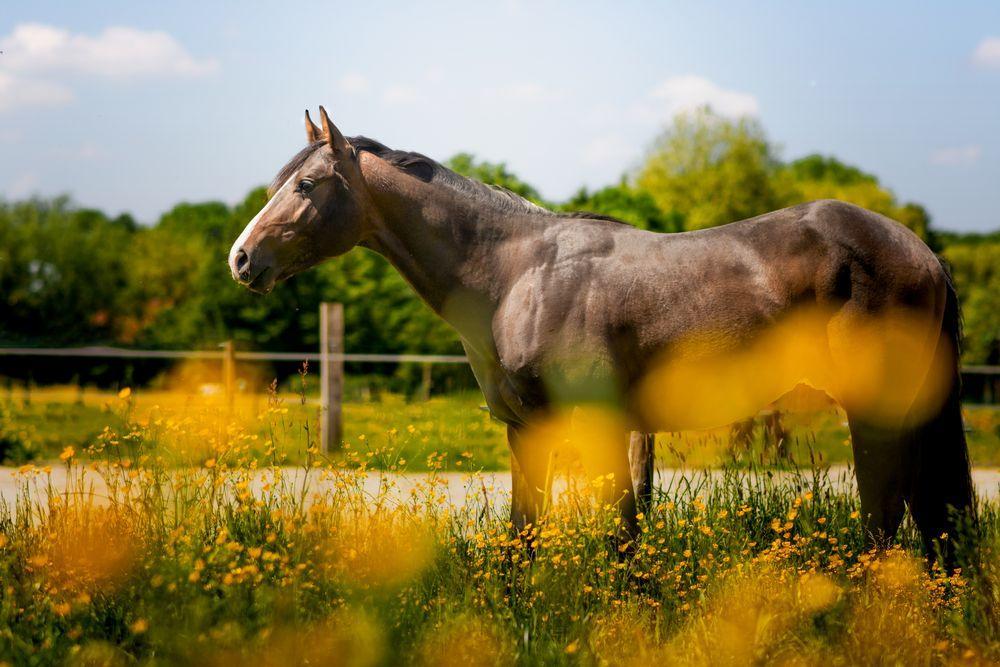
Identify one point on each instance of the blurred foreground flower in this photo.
(464, 641)
(85, 549)
(380, 548)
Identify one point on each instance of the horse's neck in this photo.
(442, 244)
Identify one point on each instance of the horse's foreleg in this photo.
(521, 503)
(642, 456)
(530, 480)
(607, 465)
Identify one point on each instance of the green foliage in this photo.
(711, 170)
(948, 238)
(63, 272)
(17, 439)
(819, 168)
(976, 271)
(493, 173)
(817, 177)
(72, 276)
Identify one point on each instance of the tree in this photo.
(62, 272)
(493, 173)
(632, 205)
(975, 270)
(822, 177)
(175, 273)
(711, 170)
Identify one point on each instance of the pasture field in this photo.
(196, 565)
(280, 427)
(448, 432)
(227, 562)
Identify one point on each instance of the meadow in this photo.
(196, 548)
(449, 431)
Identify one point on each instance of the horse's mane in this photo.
(430, 171)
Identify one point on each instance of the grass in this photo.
(398, 432)
(231, 562)
(394, 430)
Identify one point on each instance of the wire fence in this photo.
(981, 382)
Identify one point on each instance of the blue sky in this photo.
(134, 106)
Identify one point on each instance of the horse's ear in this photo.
(333, 135)
(312, 132)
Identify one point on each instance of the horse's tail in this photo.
(941, 497)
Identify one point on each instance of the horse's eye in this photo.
(305, 186)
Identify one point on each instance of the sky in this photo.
(135, 106)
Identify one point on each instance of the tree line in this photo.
(72, 275)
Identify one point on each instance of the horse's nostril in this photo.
(242, 265)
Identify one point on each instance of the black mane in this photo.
(424, 168)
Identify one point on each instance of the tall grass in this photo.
(188, 545)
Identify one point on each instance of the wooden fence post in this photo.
(331, 374)
(229, 372)
(425, 382)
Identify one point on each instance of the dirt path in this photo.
(455, 488)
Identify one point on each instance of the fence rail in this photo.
(127, 353)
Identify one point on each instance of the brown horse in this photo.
(674, 331)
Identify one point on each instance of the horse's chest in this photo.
(512, 395)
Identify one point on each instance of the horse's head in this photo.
(317, 210)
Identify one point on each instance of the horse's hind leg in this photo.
(880, 465)
(642, 456)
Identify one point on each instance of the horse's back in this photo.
(620, 297)
(835, 251)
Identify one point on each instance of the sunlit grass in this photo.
(454, 428)
(392, 428)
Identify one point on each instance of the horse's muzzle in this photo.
(256, 275)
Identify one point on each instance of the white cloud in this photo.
(957, 156)
(118, 52)
(39, 59)
(987, 54)
(690, 92)
(353, 83)
(16, 92)
(399, 94)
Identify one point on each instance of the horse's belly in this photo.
(699, 398)
(707, 382)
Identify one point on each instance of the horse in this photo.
(675, 331)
